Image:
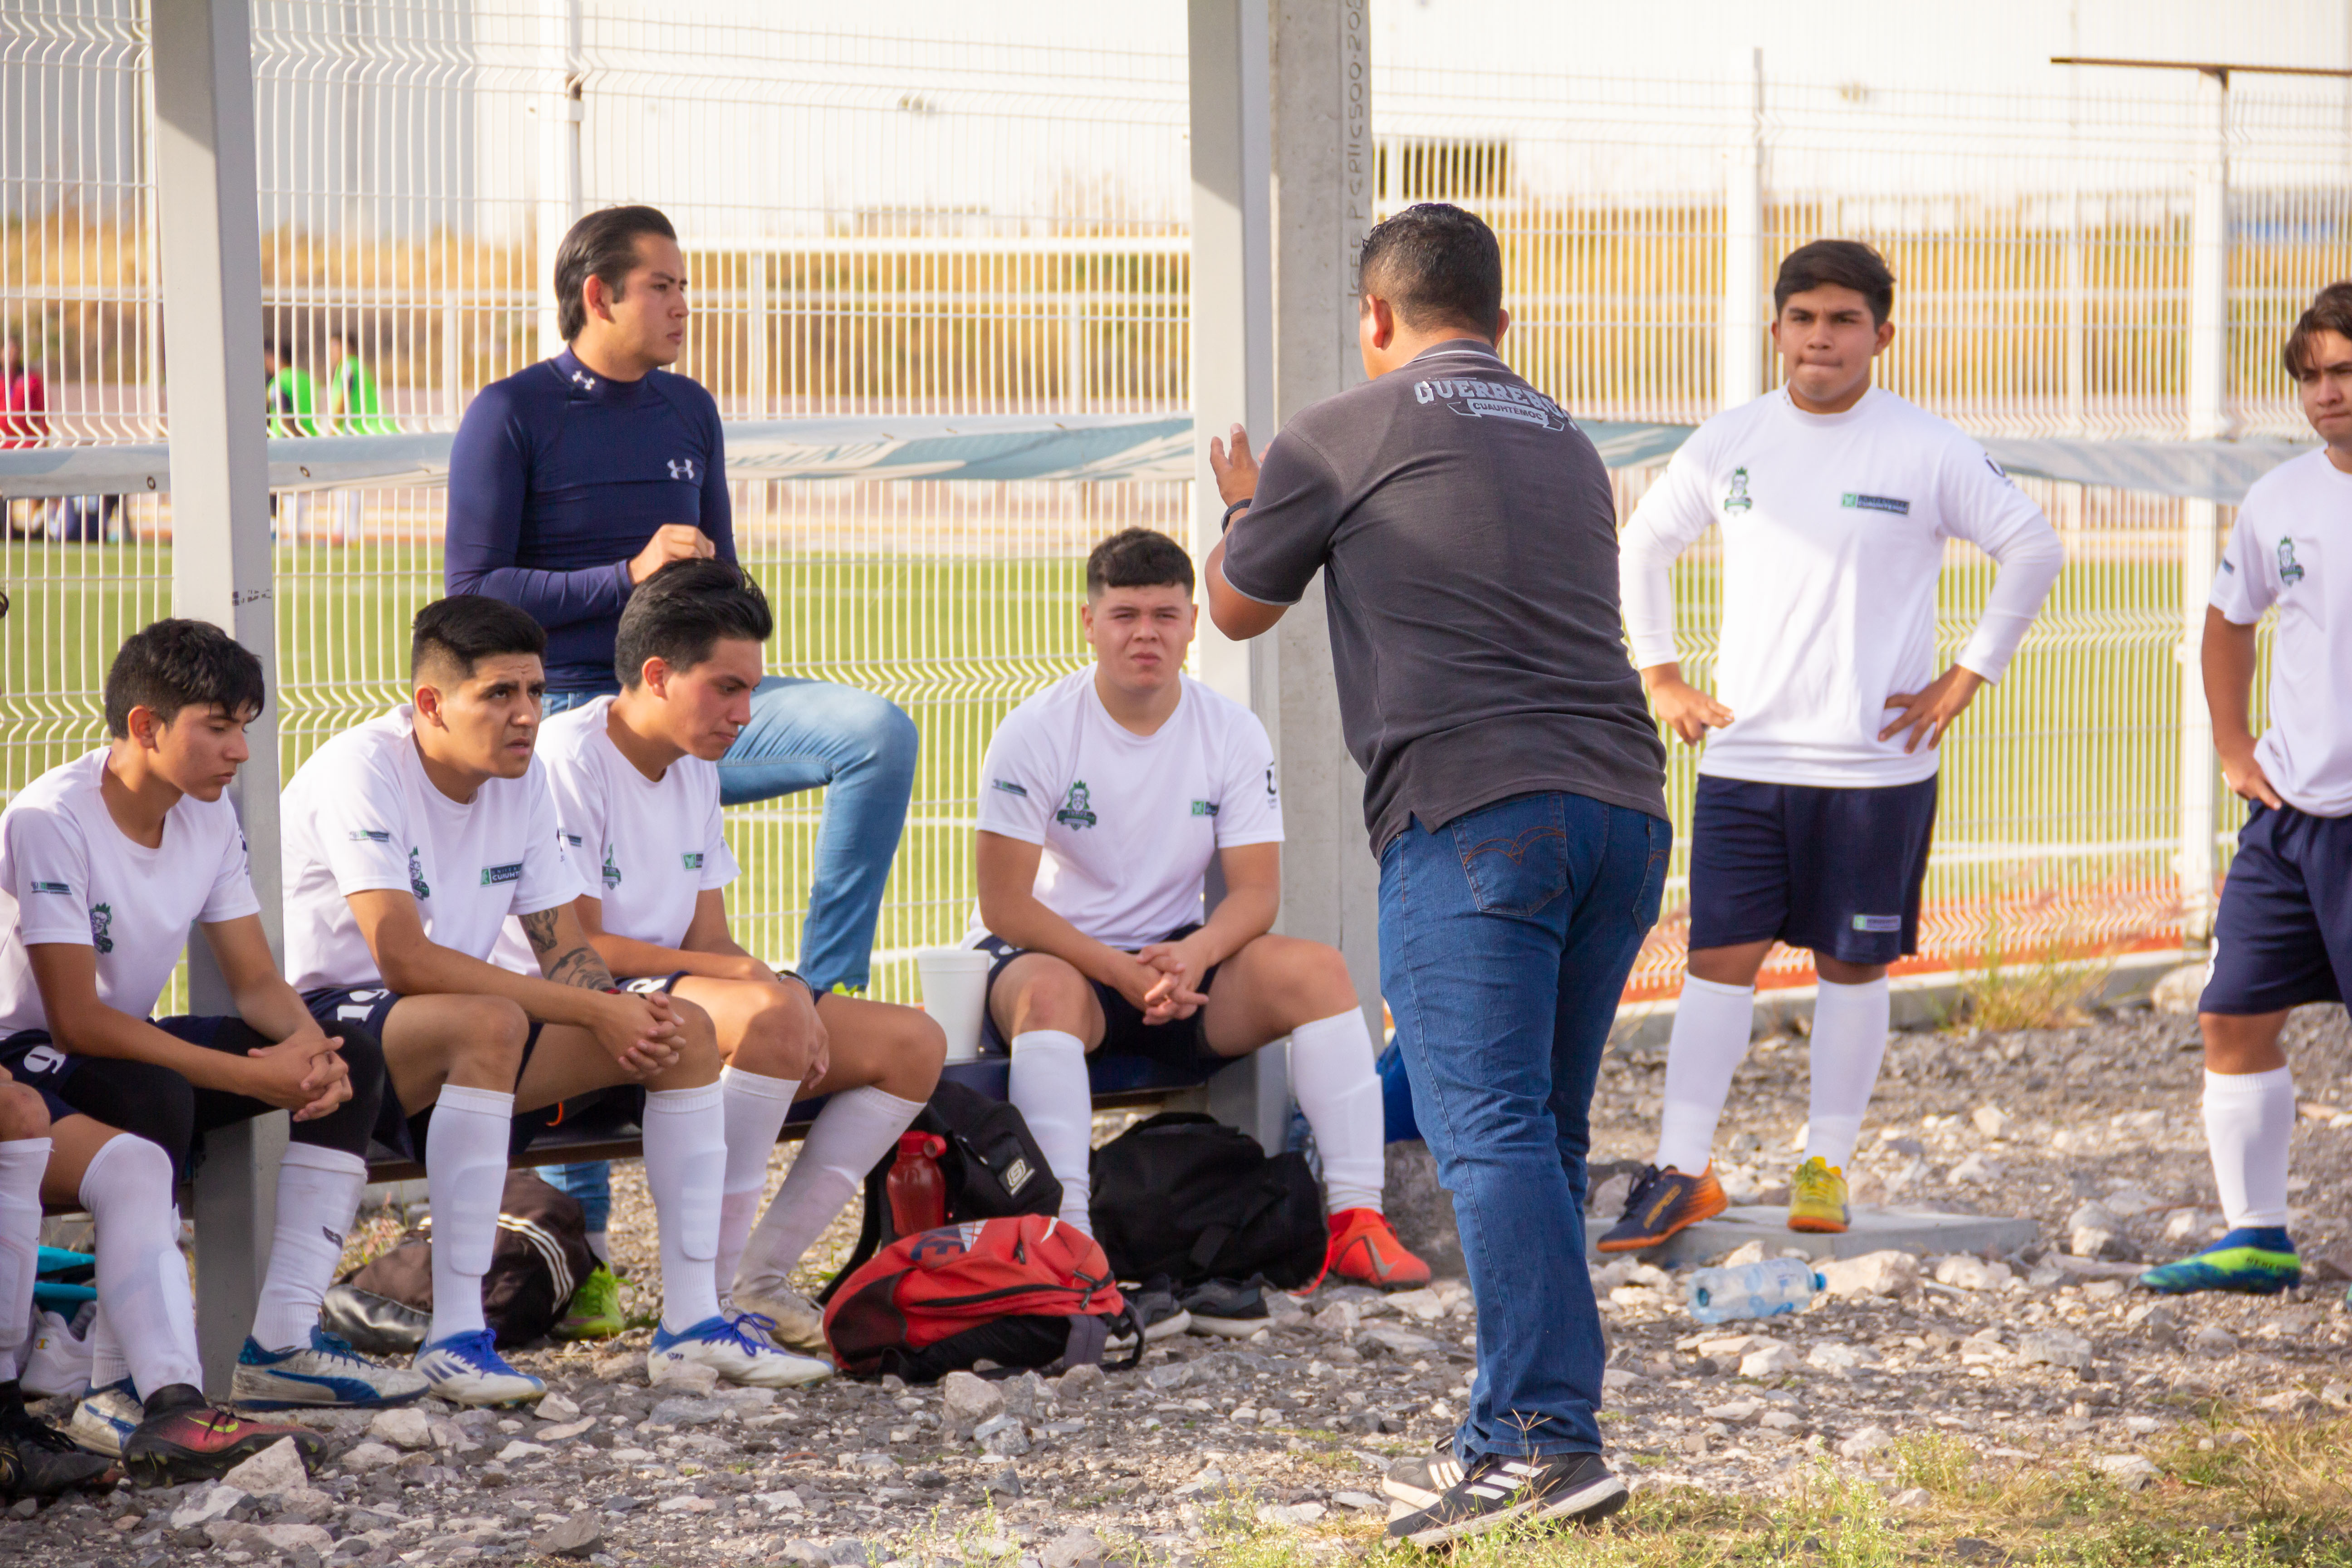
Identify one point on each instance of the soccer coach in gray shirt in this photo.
(1515, 790)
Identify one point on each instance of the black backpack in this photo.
(992, 1169)
(1185, 1195)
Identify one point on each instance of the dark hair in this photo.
(1439, 266)
(1845, 263)
(680, 613)
(2330, 312)
(1138, 558)
(466, 629)
(602, 245)
(178, 664)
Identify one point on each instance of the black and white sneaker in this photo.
(1156, 1311)
(1420, 1481)
(1497, 1490)
(1228, 1308)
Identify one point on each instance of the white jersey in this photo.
(361, 816)
(2292, 547)
(646, 847)
(67, 873)
(1833, 529)
(1128, 823)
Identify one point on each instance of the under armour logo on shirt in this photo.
(681, 468)
(585, 382)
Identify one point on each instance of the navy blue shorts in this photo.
(402, 1133)
(2282, 935)
(1836, 871)
(1182, 1045)
(33, 1058)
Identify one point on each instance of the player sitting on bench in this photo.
(105, 862)
(637, 793)
(1102, 801)
(409, 840)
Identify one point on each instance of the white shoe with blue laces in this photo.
(326, 1372)
(106, 1417)
(467, 1369)
(738, 1349)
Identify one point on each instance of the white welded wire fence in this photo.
(993, 217)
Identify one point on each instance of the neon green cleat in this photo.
(1817, 1197)
(596, 1310)
(2249, 1262)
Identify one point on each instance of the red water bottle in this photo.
(918, 1193)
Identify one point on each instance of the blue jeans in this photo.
(1505, 938)
(804, 734)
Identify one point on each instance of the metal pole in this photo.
(1740, 362)
(1232, 382)
(2209, 313)
(210, 235)
(557, 105)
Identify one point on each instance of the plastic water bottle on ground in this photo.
(1765, 1289)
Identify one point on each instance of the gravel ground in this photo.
(2041, 1357)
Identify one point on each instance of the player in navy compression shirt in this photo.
(576, 480)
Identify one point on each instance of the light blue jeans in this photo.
(1505, 938)
(804, 734)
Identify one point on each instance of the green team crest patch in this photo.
(612, 872)
(101, 927)
(1077, 807)
(1737, 498)
(416, 882)
(2290, 569)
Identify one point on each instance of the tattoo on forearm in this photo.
(580, 967)
(541, 928)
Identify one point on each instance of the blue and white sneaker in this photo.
(467, 1369)
(106, 1417)
(326, 1372)
(739, 1349)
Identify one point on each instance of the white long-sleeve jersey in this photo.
(1833, 531)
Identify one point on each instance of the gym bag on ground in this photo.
(1185, 1195)
(540, 1256)
(1024, 1291)
(992, 1168)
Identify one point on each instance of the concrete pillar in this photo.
(2208, 419)
(1741, 359)
(1323, 196)
(556, 104)
(211, 250)
(1232, 382)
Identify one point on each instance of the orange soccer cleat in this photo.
(1365, 1251)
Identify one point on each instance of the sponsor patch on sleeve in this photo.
(1894, 504)
(370, 835)
(1009, 787)
(1205, 808)
(510, 872)
(693, 859)
(63, 889)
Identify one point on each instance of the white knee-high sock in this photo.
(141, 1276)
(106, 1364)
(22, 1160)
(1332, 1075)
(685, 1170)
(2249, 1117)
(756, 1107)
(464, 1177)
(1048, 1086)
(317, 1192)
(852, 1132)
(1709, 1040)
(1849, 1043)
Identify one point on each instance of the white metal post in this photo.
(2209, 345)
(755, 332)
(557, 105)
(1232, 382)
(1323, 197)
(1741, 359)
(210, 235)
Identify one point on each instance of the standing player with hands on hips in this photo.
(1817, 791)
(2282, 936)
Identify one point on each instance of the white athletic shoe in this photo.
(106, 1417)
(57, 1366)
(799, 1322)
(738, 1350)
(467, 1369)
(326, 1372)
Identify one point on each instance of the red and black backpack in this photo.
(1024, 1291)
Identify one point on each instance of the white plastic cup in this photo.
(955, 993)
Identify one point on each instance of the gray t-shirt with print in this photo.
(1471, 547)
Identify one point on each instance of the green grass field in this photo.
(2077, 745)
